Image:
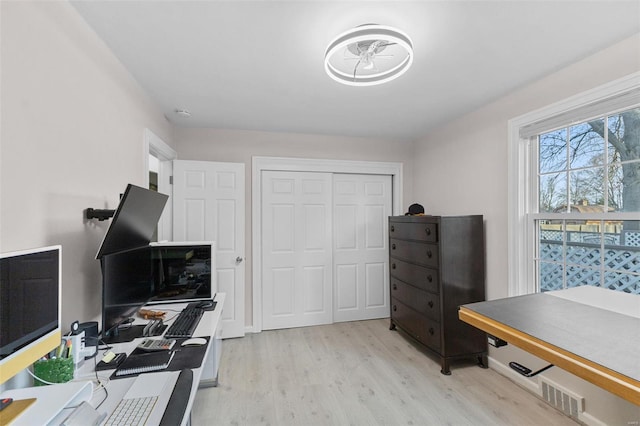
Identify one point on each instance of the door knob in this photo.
(239, 260)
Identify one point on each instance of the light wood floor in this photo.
(357, 373)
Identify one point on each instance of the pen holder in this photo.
(56, 370)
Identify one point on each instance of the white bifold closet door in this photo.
(324, 248)
(361, 207)
(296, 248)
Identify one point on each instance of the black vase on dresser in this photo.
(436, 264)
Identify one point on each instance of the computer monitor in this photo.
(127, 285)
(30, 306)
(134, 221)
(184, 271)
(158, 273)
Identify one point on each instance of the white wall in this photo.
(72, 122)
(461, 168)
(240, 146)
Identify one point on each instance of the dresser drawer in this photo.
(420, 300)
(416, 275)
(418, 326)
(423, 253)
(414, 231)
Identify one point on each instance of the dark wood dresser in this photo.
(436, 264)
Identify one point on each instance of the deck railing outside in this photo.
(585, 261)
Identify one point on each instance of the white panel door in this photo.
(361, 206)
(296, 249)
(208, 204)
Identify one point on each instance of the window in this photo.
(586, 174)
(575, 193)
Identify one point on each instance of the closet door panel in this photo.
(361, 207)
(296, 249)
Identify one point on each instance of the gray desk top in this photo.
(602, 336)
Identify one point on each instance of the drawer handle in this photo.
(393, 266)
(430, 303)
(428, 231)
(393, 228)
(393, 246)
(431, 331)
(395, 286)
(430, 278)
(395, 308)
(429, 254)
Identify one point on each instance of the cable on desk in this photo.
(41, 380)
(173, 317)
(106, 348)
(106, 392)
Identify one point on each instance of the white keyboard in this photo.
(132, 412)
(145, 400)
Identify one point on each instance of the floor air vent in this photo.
(565, 401)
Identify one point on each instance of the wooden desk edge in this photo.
(614, 382)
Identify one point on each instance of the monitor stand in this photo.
(129, 333)
(124, 335)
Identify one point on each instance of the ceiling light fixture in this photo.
(368, 54)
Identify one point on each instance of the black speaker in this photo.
(90, 332)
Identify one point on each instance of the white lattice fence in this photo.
(549, 234)
(584, 266)
(632, 238)
(628, 283)
(550, 276)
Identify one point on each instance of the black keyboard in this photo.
(174, 413)
(186, 322)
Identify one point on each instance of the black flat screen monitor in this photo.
(127, 285)
(183, 272)
(165, 273)
(29, 291)
(134, 221)
(29, 307)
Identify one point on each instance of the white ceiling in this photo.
(258, 65)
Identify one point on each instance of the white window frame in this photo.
(522, 203)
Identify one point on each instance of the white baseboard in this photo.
(533, 386)
(589, 420)
(527, 383)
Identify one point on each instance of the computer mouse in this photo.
(206, 304)
(195, 341)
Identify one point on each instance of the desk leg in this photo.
(209, 383)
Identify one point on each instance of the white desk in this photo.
(52, 399)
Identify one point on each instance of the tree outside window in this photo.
(590, 169)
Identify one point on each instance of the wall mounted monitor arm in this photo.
(100, 214)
